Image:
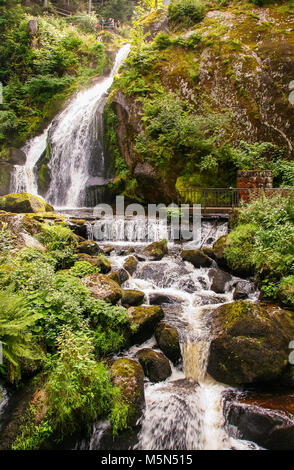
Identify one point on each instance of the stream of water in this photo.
(185, 412)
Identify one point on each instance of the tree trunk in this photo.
(90, 7)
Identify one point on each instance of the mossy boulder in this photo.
(219, 251)
(156, 250)
(197, 258)
(129, 376)
(132, 297)
(130, 264)
(114, 275)
(89, 247)
(103, 288)
(99, 261)
(155, 366)
(167, 338)
(250, 342)
(141, 323)
(24, 203)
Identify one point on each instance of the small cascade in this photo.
(76, 143)
(144, 230)
(24, 178)
(185, 412)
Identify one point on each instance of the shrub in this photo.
(264, 238)
(15, 324)
(238, 251)
(186, 12)
(82, 268)
(286, 291)
(79, 388)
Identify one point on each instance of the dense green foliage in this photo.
(263, 240)
(47, 310)
(185, 12)
(39, 72)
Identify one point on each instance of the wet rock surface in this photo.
(250, 342)
(197, 258)
(155, 251)
(167, 338)
(156, 367)
(142, 322)
(219, 280)
(103, 288)
(24, 203)
(132, 297)
(266, 418)
(128, 375)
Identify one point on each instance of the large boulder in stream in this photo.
(142, 322)
(89, 247)
(265, 417)
(130, 265)
(167, 338)
(129, 376)
(24, 203)
(103, 288)
(156, 367)
(250, 342)
(197, 258)
(132, 297)
(156, 250)
(219, 280)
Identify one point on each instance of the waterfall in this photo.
(24, 178)
(75, 138)
(143, 229)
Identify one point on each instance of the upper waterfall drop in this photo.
(75, 137)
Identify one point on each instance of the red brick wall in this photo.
(251, 179)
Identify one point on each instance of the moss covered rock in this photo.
(129, 376)
(219, 251)
(99, 261)
(167, 339)
(130, 264)
(156, 250)
(103, 288)
(156, 367)
(132, 297)
(24, 203)
(197, 258)
(142, 322)
(89, 247)
(250, 342)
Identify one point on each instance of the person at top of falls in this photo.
(118, 24)
(101, 22)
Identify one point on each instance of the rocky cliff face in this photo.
(238, 61)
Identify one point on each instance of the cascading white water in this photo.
(185, 411)
(24, 178)
(143, 229)
(74, 139)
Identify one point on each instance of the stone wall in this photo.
(252, 179)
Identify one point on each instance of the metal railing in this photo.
(227, 197)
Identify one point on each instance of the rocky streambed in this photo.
(204, 363)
